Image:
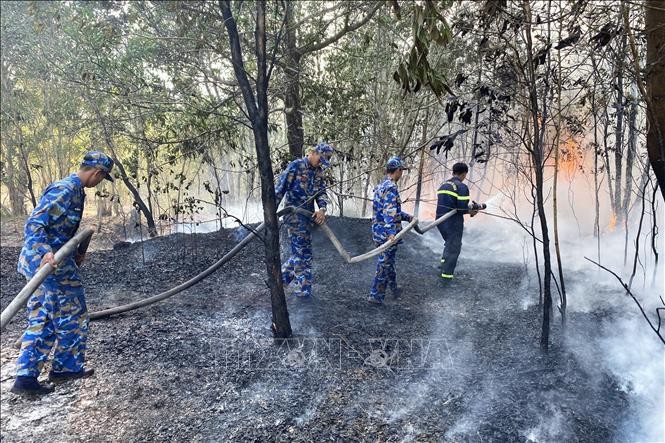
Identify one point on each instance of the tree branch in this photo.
(625, 286)
(313, 47)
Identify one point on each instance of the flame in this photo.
(613, 223)
(569, 157)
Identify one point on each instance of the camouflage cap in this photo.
(99, 160)
(395, 162)
(326, 151)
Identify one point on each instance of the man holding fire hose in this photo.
(386, 223)
(301, 183)
(57, 313)
(453, 194)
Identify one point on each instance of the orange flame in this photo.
(569, 158)
(613, 223)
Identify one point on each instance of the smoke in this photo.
(209, 220)
(551, 427)
(606, 332)
(635, 357)
(203, 222)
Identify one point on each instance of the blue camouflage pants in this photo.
(57, 315)
(298, 268)
(385, 273)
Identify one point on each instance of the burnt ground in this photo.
(439, 364)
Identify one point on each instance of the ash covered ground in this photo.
(456, 364)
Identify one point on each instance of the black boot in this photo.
(64, 376)
(445, 282)
(30, 386)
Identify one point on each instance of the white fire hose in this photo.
(19, 302)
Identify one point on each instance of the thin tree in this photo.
(292, 64)
(538, 162)
(257, 110)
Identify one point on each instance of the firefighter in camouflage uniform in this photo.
(386, 223)
(301, 184)
(57, 314)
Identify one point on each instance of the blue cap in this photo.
(395, 162)
(99, 160)
(326, 151)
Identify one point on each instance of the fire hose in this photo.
(229, 255)
(79, 242)
(237, 248)
(83, 239)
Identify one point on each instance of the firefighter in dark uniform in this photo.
(453, 194)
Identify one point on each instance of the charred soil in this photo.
(455, 363)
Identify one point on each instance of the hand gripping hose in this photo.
(374, 252)
(82, 239)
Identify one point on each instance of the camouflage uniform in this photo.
(386, 221)
(57, 310)
(301, 184)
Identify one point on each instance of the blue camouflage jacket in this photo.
(453, 194)
(388, 216)
(52, 223)
(299, 182)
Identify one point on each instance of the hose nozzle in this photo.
(473, 206)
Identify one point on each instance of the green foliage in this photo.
(429, 26)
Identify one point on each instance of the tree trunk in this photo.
(630, 159)
(292, 106)
(366, 194)
(16, 200)
(618, 144)
(342, 163)
(421, 164)
(555, 215)
(537, 157)
(596, 186)
(150, 221)
(26, 165)
(257, 109)
(630, 154)
(655, 17)
(608, 169)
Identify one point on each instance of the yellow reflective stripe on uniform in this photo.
(454, 194)
(446, 276)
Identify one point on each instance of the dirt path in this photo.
(454, 364)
